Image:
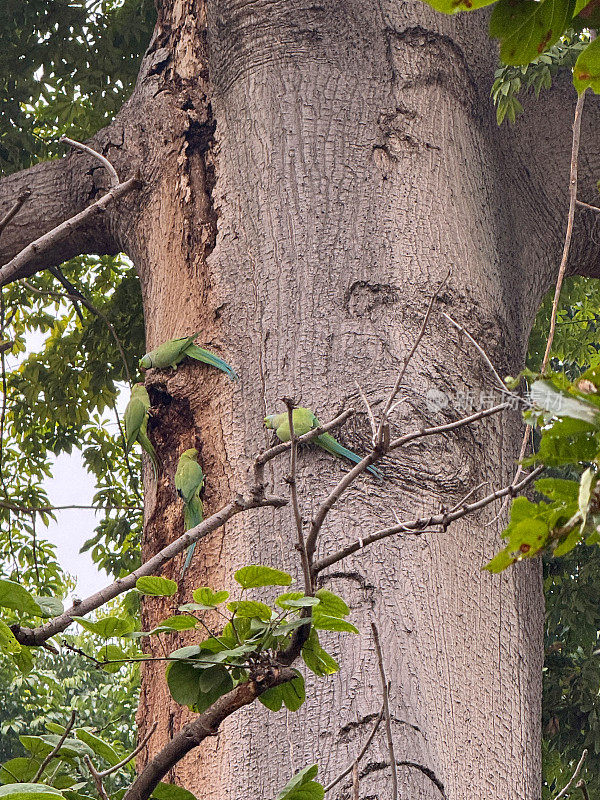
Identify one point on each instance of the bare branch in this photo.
(450, 426)
(21, 198)
(386, 711)
(406, 362)
(44, 243)
(131, 755)
(204, 725)
(47, 509)
(35, 636)
(570, 218)
(586, 205)
(479, 349)
(355, 782)
(358, 758)
(363, 397)
(564, 790)
(97, 779)
(54, 752)
(421, 525)
(114, 178)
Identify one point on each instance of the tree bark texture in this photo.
(311, 172)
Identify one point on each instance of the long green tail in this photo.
(327, 442)
(147, 446)
(200, 354)
(193, 515)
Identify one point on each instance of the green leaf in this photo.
(255, 575)
(296, 600)
(205, 597)
(110, 652)
(99, 746)
(293, 693)
(24, 660)
(183, 682)
(331, 604)
(249, 609)
(107, 626)
(51, 606)
(325, 623)
(215, 690)
(558, 489)
(179, 622)
(569, 542)
(13, 595)
(40, 746)
(302, 786)
(452, 6)
(526, 27)
(21, 769)
(316, 659)
(27, 791)
(157, 587)
(272, 698)
(8, 643)
(169, 791)
(586, 72)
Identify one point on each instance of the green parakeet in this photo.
(304, 421)
(171, 353)
(136, 423)
(189, 480)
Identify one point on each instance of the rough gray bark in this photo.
(311, 172)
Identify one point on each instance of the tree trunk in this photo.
(311, 173)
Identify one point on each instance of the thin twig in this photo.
(570, 218)
(386, 712)
(49, 240)
(97, 779)
(128, 758)
(114, 178)
(21, 198)
(54, 752)
(308, 584)
(421, 525)
(563, 791)
(407, 360)
(450, 426)
(363, 397)
(479, 349)
(358, 758)
(586, 205)
(47, 509)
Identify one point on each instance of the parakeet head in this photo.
(145, 362)
(269, 421)
(138, 387)
(192, 453)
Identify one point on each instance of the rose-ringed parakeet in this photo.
(189, 480)
(304, 421)
(136, 423)
(171, 353)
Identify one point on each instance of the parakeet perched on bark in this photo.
(171, 353)
(189, 480)
(136, 422)
(304, 421)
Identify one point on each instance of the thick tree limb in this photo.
(30, 258)
(206, 724)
